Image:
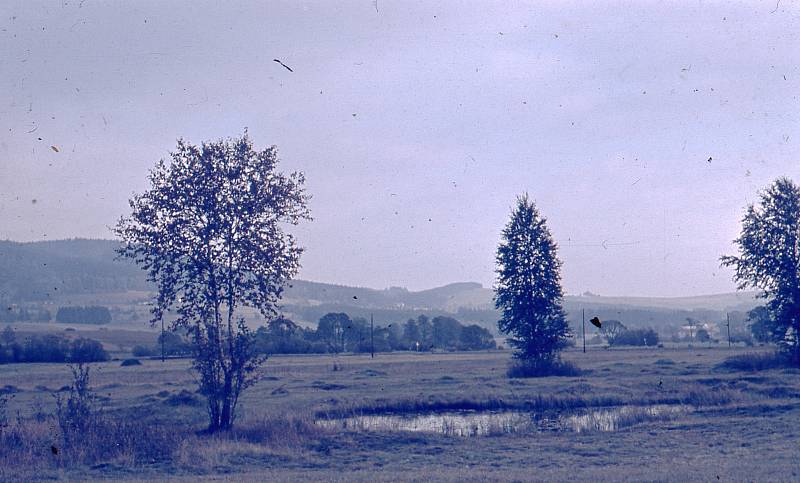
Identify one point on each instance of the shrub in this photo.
(637, 337)
(475, 337)
(76, 412)
(611, 329)
(743, 338)
(702, 335)
(532, 368)
(44, 348)
(131, 362)
(87, 350)
(173, 343)
(53, 348)
(144, 351)
(757, 362)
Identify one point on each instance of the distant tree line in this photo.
(173, 344)
(49, 348)
(94, 314)
(336, 332)
(11, 314)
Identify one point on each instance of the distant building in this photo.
(686, 331)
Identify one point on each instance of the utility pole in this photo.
(728, 317)
(162, 338)
(372, 336)
(583, 323)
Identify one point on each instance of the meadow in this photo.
(735, 426)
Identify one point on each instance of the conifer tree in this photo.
(528, 289)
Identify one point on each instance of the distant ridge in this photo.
(39, 271)
(36, 271)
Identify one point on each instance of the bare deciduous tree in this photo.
(612, 329)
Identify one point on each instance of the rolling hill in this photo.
(64, 271)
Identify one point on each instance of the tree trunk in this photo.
(214, 414)
(226, 416)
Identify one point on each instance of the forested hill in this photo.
(40, 271)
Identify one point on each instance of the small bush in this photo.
(87, 350)
(520, 368)
(702, 335)
(144, 351)
(168, 343)
(756, 362)
(131, 362)
(76, 412)
(53, 348)
(8, 389)
(173, 344)
(742, 338)
(637, 337)
(44, 348)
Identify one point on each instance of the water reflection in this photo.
(474, 423)
(622, 417)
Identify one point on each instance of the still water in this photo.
(483, 423)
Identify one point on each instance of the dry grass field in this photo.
(735, 426)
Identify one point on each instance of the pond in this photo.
(484, 423)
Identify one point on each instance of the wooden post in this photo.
(583, 319)
(162, 338)
(371, 336)
(728, 317)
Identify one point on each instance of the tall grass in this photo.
(279, 431)
(757, 362)
(688, 394)
(81, 435)
(31, 449)
(616, 419)
(3, 415)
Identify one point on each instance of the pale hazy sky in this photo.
(417, 124)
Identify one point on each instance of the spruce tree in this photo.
(528, 289)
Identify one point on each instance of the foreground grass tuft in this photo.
(31, 449)
(519, 369)
(279, 431)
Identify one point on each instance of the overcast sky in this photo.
(642, 126)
